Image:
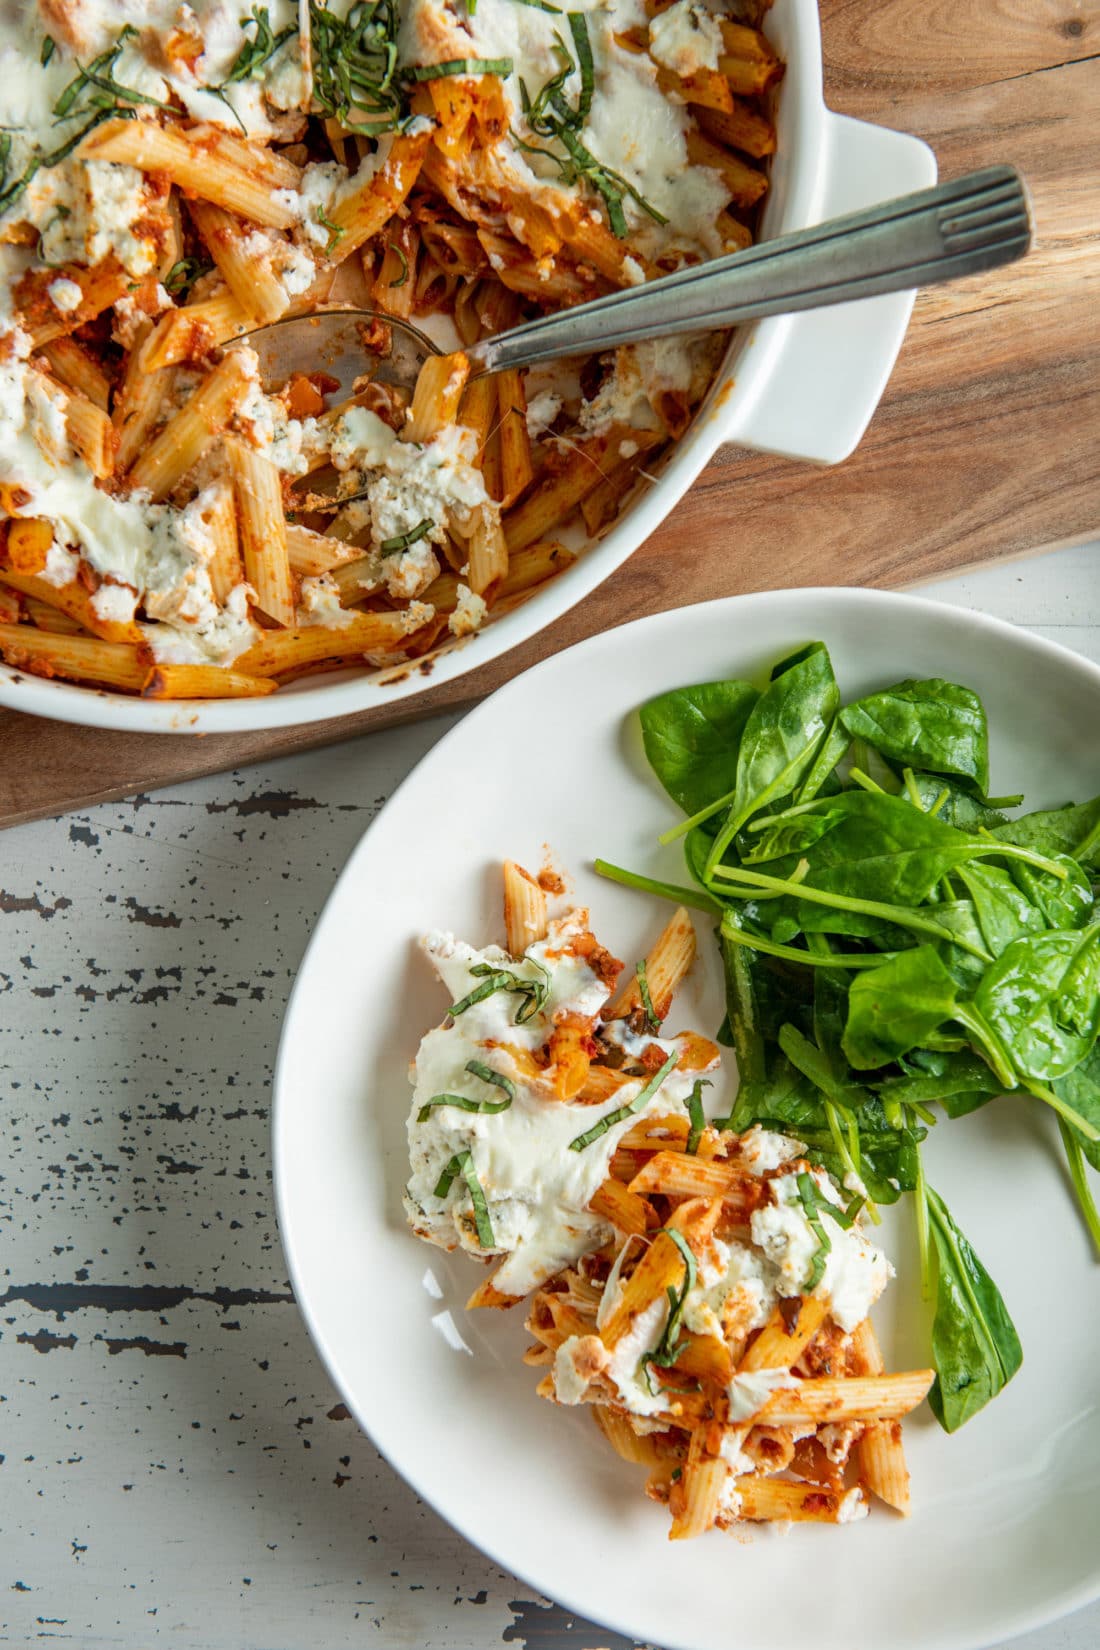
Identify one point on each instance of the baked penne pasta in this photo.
(216, 179)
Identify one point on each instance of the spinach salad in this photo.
(898, 951)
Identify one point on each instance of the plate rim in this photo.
(825, 598)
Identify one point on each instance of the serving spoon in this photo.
(973, 223)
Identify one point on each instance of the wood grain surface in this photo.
(986, 445)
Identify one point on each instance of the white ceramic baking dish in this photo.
(804, 386)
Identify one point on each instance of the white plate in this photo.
(1003, 1536)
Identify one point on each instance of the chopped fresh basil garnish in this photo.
(648, 1010)
(476, 1068)
(49, 46)
(670, 1346)
(808, 1197)
(108, 93)
(641, 1099)
(183, 275)
(460, 65)
(462, 1163)
(355, 65)
(256, 52)
(399, 280)
(694, 1104)
(402, 541)
(534, 992)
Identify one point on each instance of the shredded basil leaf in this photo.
(355, 65)
(808, 1196)
(109, 92)
(670, 1345)
(648, 1010)
(540, 5)
(256, 52)
(460, 65)
(462, 1163)
(534, 992)
(641, 1099)
(476, 1068)
(399, 280)
(694, 1104)
(183, 275)
(336, 233)
(578, 28)
(49, 46)
(402, 541)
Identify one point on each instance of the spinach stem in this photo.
(690, 823)
(790, 953)
(1049, 1098)
(694, 897)
(845, 902)
(1079, 1176)
(920, 1194)
(865, 782)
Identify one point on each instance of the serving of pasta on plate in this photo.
(706, 1293)
(173, 176)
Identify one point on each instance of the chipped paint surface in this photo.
(174, 1464)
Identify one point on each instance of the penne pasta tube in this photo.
(779, 1347)
(437, 395)
(740, 127)
(882, 1465)
(558, 492)
(746, 184)
(277, 651)
(77, 658)
(203, 682)
(262, 530)
(249, 278)
(190, 333)
(28, 544)
(204, 164)
(774, 1500)
(92, 435)
(187, 435)
(516, 468)
(623, 1208)
(695, 1501)
(706, 88)
(361, 214)
(640, 1448)
(220, 518)
(524, 909)
(675, 1174)
(75, 600)
(660, 1268)
(488, 1295)
(311, 553)
(487, 553)
(273, 168)
(827, 1399)
(47, 618)
(72, 365)
(666, 964)
(101, 286)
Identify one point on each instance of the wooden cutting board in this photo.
(986, 445)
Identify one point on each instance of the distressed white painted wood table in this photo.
(174, 1466)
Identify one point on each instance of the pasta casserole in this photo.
(175, 175)
(707, 1294)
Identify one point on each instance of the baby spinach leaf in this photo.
(692, 736)
(1065, 902)
(953, 804)
(975, 1347)
(1080, 1089)
(1004, 910)
(961, 1083)
(784, 731)
(824, 764)
(1042, 999)
(934, 725)
(893, 1008)
(1072, 830)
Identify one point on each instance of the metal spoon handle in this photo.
(973, 223)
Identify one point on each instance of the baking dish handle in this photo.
(832, 364)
